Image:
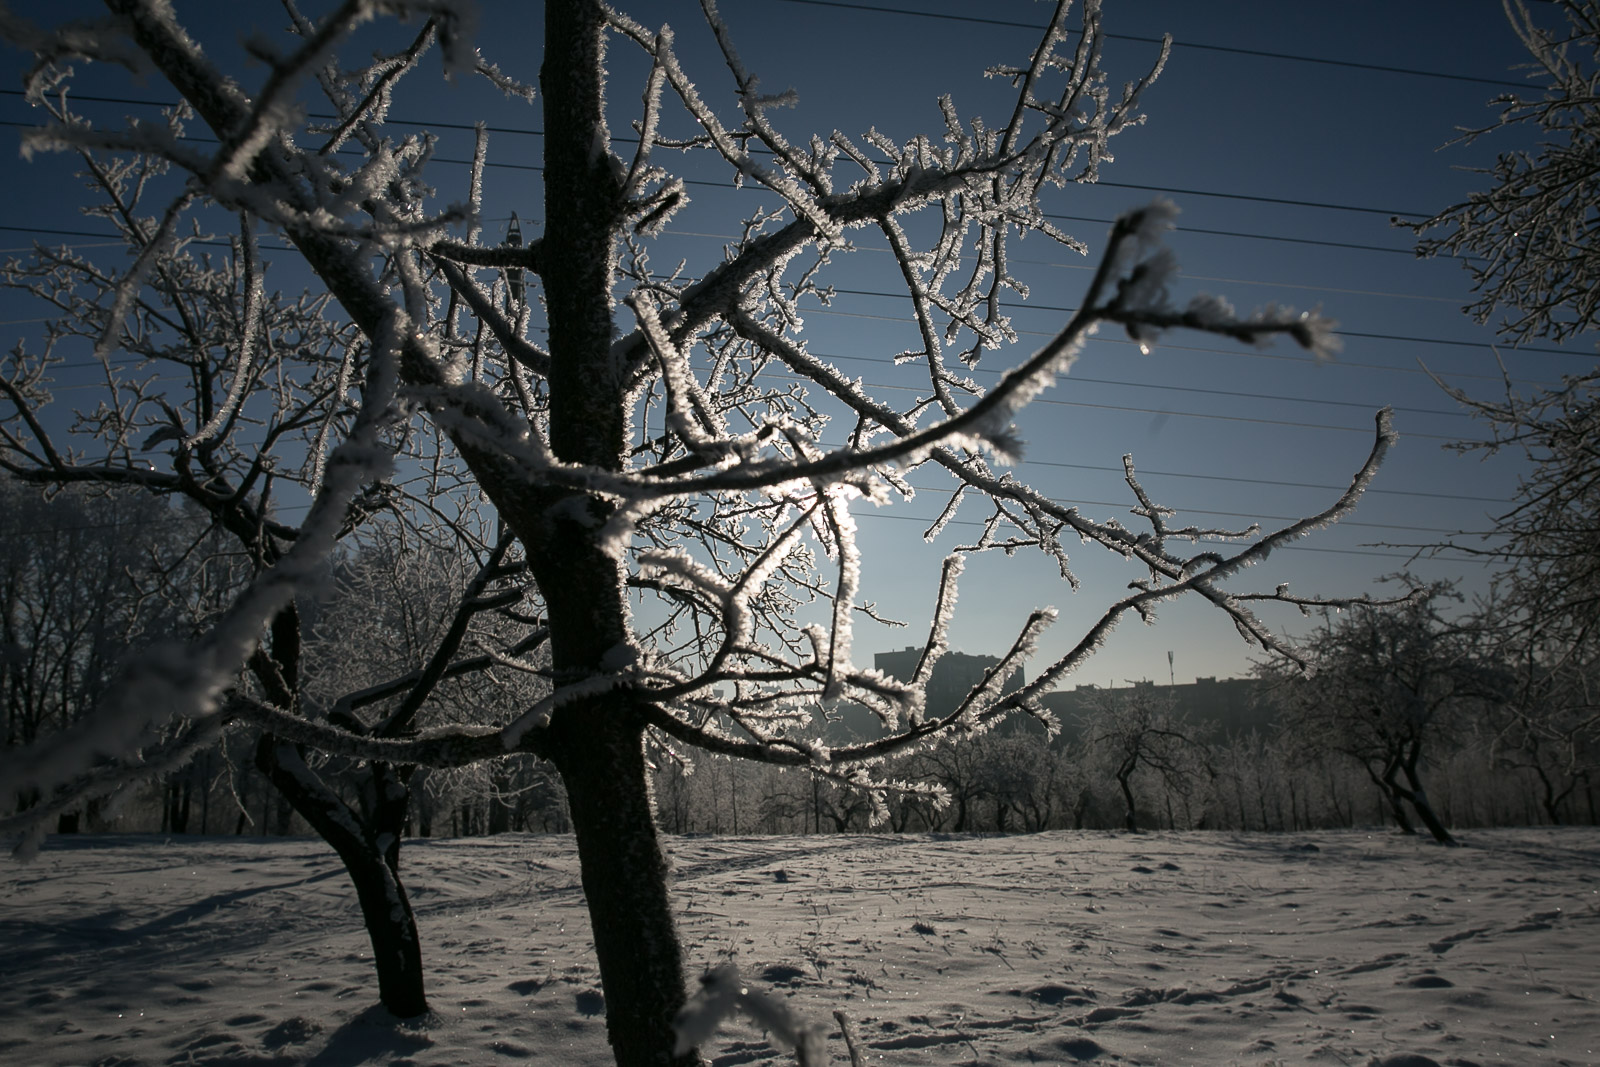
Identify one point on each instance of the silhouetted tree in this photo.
(1135, 730)
(1388, 686)
(1529, 242)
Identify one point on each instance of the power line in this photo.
(34, 532)
(1194, 46)
(1391, 212)
(1269, 481)
(1133, 409)
(1031, 262)
(1238, 394)
(1411, 252)
(1071, 379)
(393, 120)
(1338, 364)
(1061, 309)
(1089, 267)
(1296, 424)
(1223, 514)
(1343, 364)
(859, 515)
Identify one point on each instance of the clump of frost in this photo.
(724, 994)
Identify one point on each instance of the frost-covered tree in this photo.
(1390, 687)
(1543, 612)
(226, 395)
(659, 456)
(1028, 779)
(1529, 241)
(1137, 734)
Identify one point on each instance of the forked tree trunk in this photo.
(1418, 796)
(1393, 795)
(367, 841)
(1397, 808)
(1550, 797)
(370, 852)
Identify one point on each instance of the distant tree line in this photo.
(1411, 718)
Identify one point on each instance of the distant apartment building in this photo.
(954, 676)
(1221, 706)
(1228, 706)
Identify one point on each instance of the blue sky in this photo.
(1226, 435)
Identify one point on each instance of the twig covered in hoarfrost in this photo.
(244, 366)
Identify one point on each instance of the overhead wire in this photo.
(929, 521)
(1247, 517)
(1189, 45)
(1369, 335)
(34, 531)
(1181, 191)
(1078, 379)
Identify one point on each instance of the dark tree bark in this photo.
(1412, 793)
(1390, 790)
(597, 742)
(601, 759)
(372, 862)
(1130, 817)
(367, 840)
(1418, 798)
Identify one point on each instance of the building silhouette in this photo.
(1227, 707)
(1221, 707)
(954, 676)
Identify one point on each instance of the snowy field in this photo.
(1326, 948)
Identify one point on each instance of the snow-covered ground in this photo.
(1196, 948)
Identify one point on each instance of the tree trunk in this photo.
(1393, 794)
(1397, 808)
(367, 840)
(204, 764)
(1418, 796)
(1131, 818)
(1551, 797)
(499, 806)
(1425, 812)
(372, 862)
(598, 747)
(282, 816)
(1333, 798)
(595, 742)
